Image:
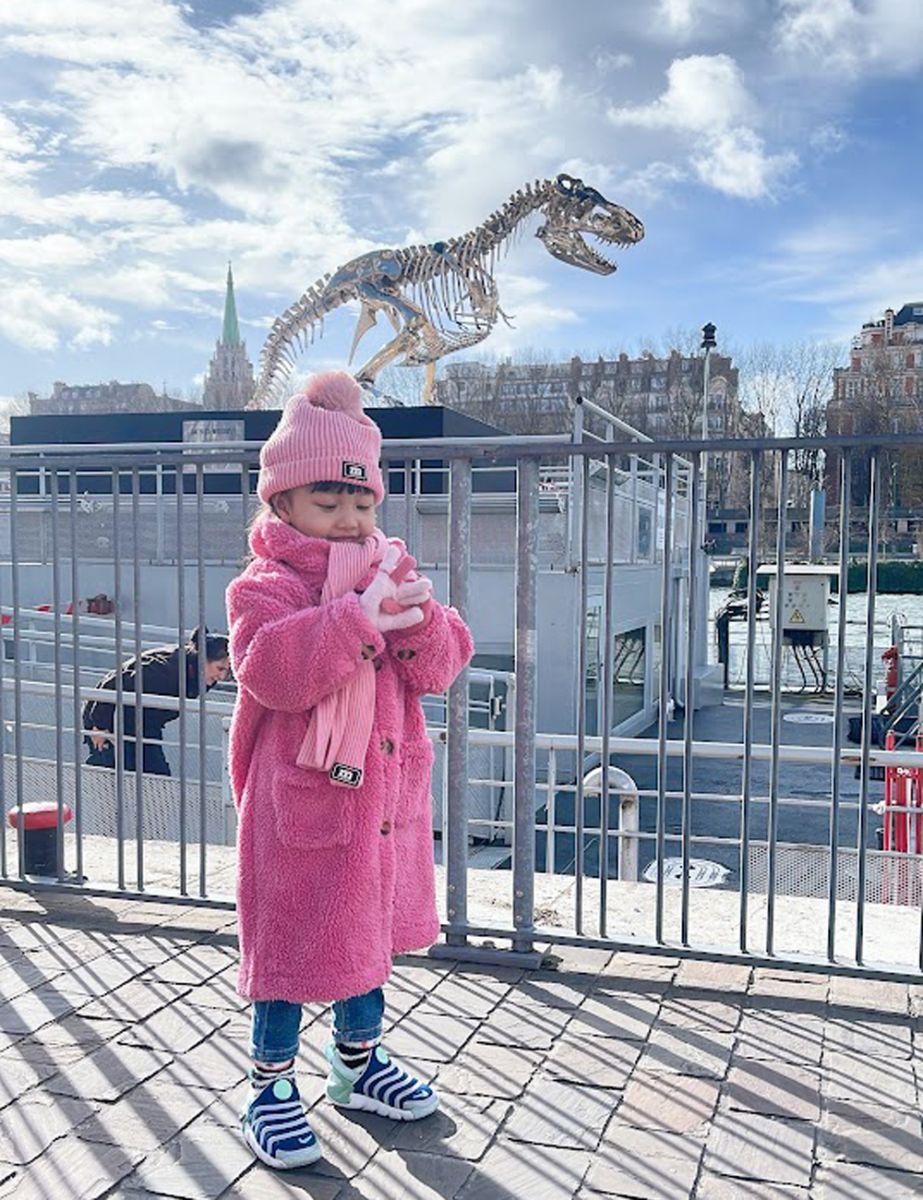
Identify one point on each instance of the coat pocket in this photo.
(415, 799)
(310, 813)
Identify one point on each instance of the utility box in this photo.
(805, 602)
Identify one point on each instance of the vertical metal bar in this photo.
(695, 553)
(456, 760)
(17, 667)
(666, 643)
(4, 870)
(58, 668)
(873, 511)
(118, 724)
(78, 708)
(550, 810)
(244, 509)
(526, 674)
(180, 489)
(746, 784)
(776, 718)
(140, 747)
(832, 895)
(579, 799)
(607, 687)
(408, 488)
(200, 565)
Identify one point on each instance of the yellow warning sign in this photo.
(796, 618)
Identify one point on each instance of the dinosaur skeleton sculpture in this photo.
(443, 297)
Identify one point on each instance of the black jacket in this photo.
(160, 676)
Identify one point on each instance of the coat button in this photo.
(406, 655)
(368, 651)
(377, 663)
(386, 827)
(387, 746)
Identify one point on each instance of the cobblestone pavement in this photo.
(123, 1060)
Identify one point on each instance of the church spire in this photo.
(230, 332)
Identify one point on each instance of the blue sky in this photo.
(771, 148)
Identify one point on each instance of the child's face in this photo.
(335, 516)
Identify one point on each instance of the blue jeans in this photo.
(276, 1024)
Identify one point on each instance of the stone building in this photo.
(661, 397)
(881, 391)
(229, 383)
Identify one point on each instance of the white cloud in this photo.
(54, 251)
(707, 103)
(39, 319)
(852, 37)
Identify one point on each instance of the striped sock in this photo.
(263, 1073)
(355, 1055)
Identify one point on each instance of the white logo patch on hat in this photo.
(354, 471)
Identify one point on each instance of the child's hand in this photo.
(417, 591)
(382, 589)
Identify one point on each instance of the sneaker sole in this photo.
(367, 1104)
(312, 1154)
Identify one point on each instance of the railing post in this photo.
(456, 830)
(526, 677)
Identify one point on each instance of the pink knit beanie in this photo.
(323, 436)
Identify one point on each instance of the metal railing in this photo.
(565, 620)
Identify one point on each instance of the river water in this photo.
(906, 608)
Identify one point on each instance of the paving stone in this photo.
(532, 1027)
(147, 1117)
(774, 1089)
(134, 1001)
(687, 1052)
(31, 1011)
(874, 995)
(644, 1164)
(876, 1039)
(464, 996)
(21, 976)
(17, 1075)
(197, 965)
(200, 1164)
(807, 988)
(545, 1173)
(35, 1120)
(350, 1139)
(482, 1070)
(717, 1187)
(847, 1181)
(616, 1015)
(175, 1028)
(777, 1036)
(872, 1134)
(71, 1039)
(553, 1113)
(98, 976)
(260, 1184)
(553, 990)
(860, 1080)
(723, 977)
(676, 1103)
(430, 1036)
(109, 1072)
(460, 1128)
(752, 1146)
(410, 1177)
(218, 1063)
(585, 959)
(91, 1171)
(698, 1011)
(220, 992)
(598, 1062)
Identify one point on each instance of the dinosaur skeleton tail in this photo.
(294, 331)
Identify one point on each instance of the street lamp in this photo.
(701, 598)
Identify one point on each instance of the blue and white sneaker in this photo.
(378, 1087)
(276, 1129)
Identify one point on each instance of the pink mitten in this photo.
(406, 564)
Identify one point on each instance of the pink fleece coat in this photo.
(332, 882)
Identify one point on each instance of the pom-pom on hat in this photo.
(323, 437)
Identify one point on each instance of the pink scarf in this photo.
(340, 726)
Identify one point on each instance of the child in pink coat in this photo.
(334, 639)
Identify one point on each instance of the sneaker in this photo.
(379, 1087)
(276, 1129)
